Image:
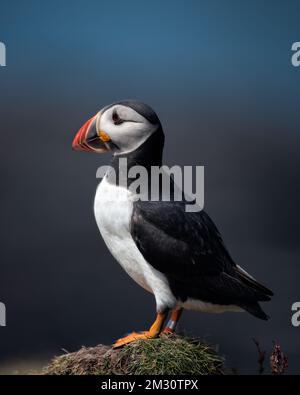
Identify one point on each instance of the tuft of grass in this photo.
(86, 361)
(173, 355)
(170, 354)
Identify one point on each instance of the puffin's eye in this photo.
(116, 119)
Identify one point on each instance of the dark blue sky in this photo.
(174, 52)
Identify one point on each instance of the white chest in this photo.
(113, 209)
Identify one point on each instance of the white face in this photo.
(126, 128)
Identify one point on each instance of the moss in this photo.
(172, 354)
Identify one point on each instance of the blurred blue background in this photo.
(219, 75)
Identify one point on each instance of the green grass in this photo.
(172, 354)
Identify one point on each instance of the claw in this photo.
(132, 337)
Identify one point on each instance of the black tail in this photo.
(245, 278)
(256, 310)
(262, 293)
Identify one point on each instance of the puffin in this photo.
(177, 255)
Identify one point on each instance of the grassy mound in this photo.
(170, 354)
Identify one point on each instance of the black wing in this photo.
(188, 249)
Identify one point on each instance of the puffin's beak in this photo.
(87, 138)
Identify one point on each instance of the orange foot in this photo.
(132, 337)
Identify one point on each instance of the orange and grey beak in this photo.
(87, 138)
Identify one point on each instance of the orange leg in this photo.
(173, 321)
(154, 331)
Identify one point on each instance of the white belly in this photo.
(206, 307)
(113, 209)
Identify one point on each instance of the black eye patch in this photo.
(116, 119)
